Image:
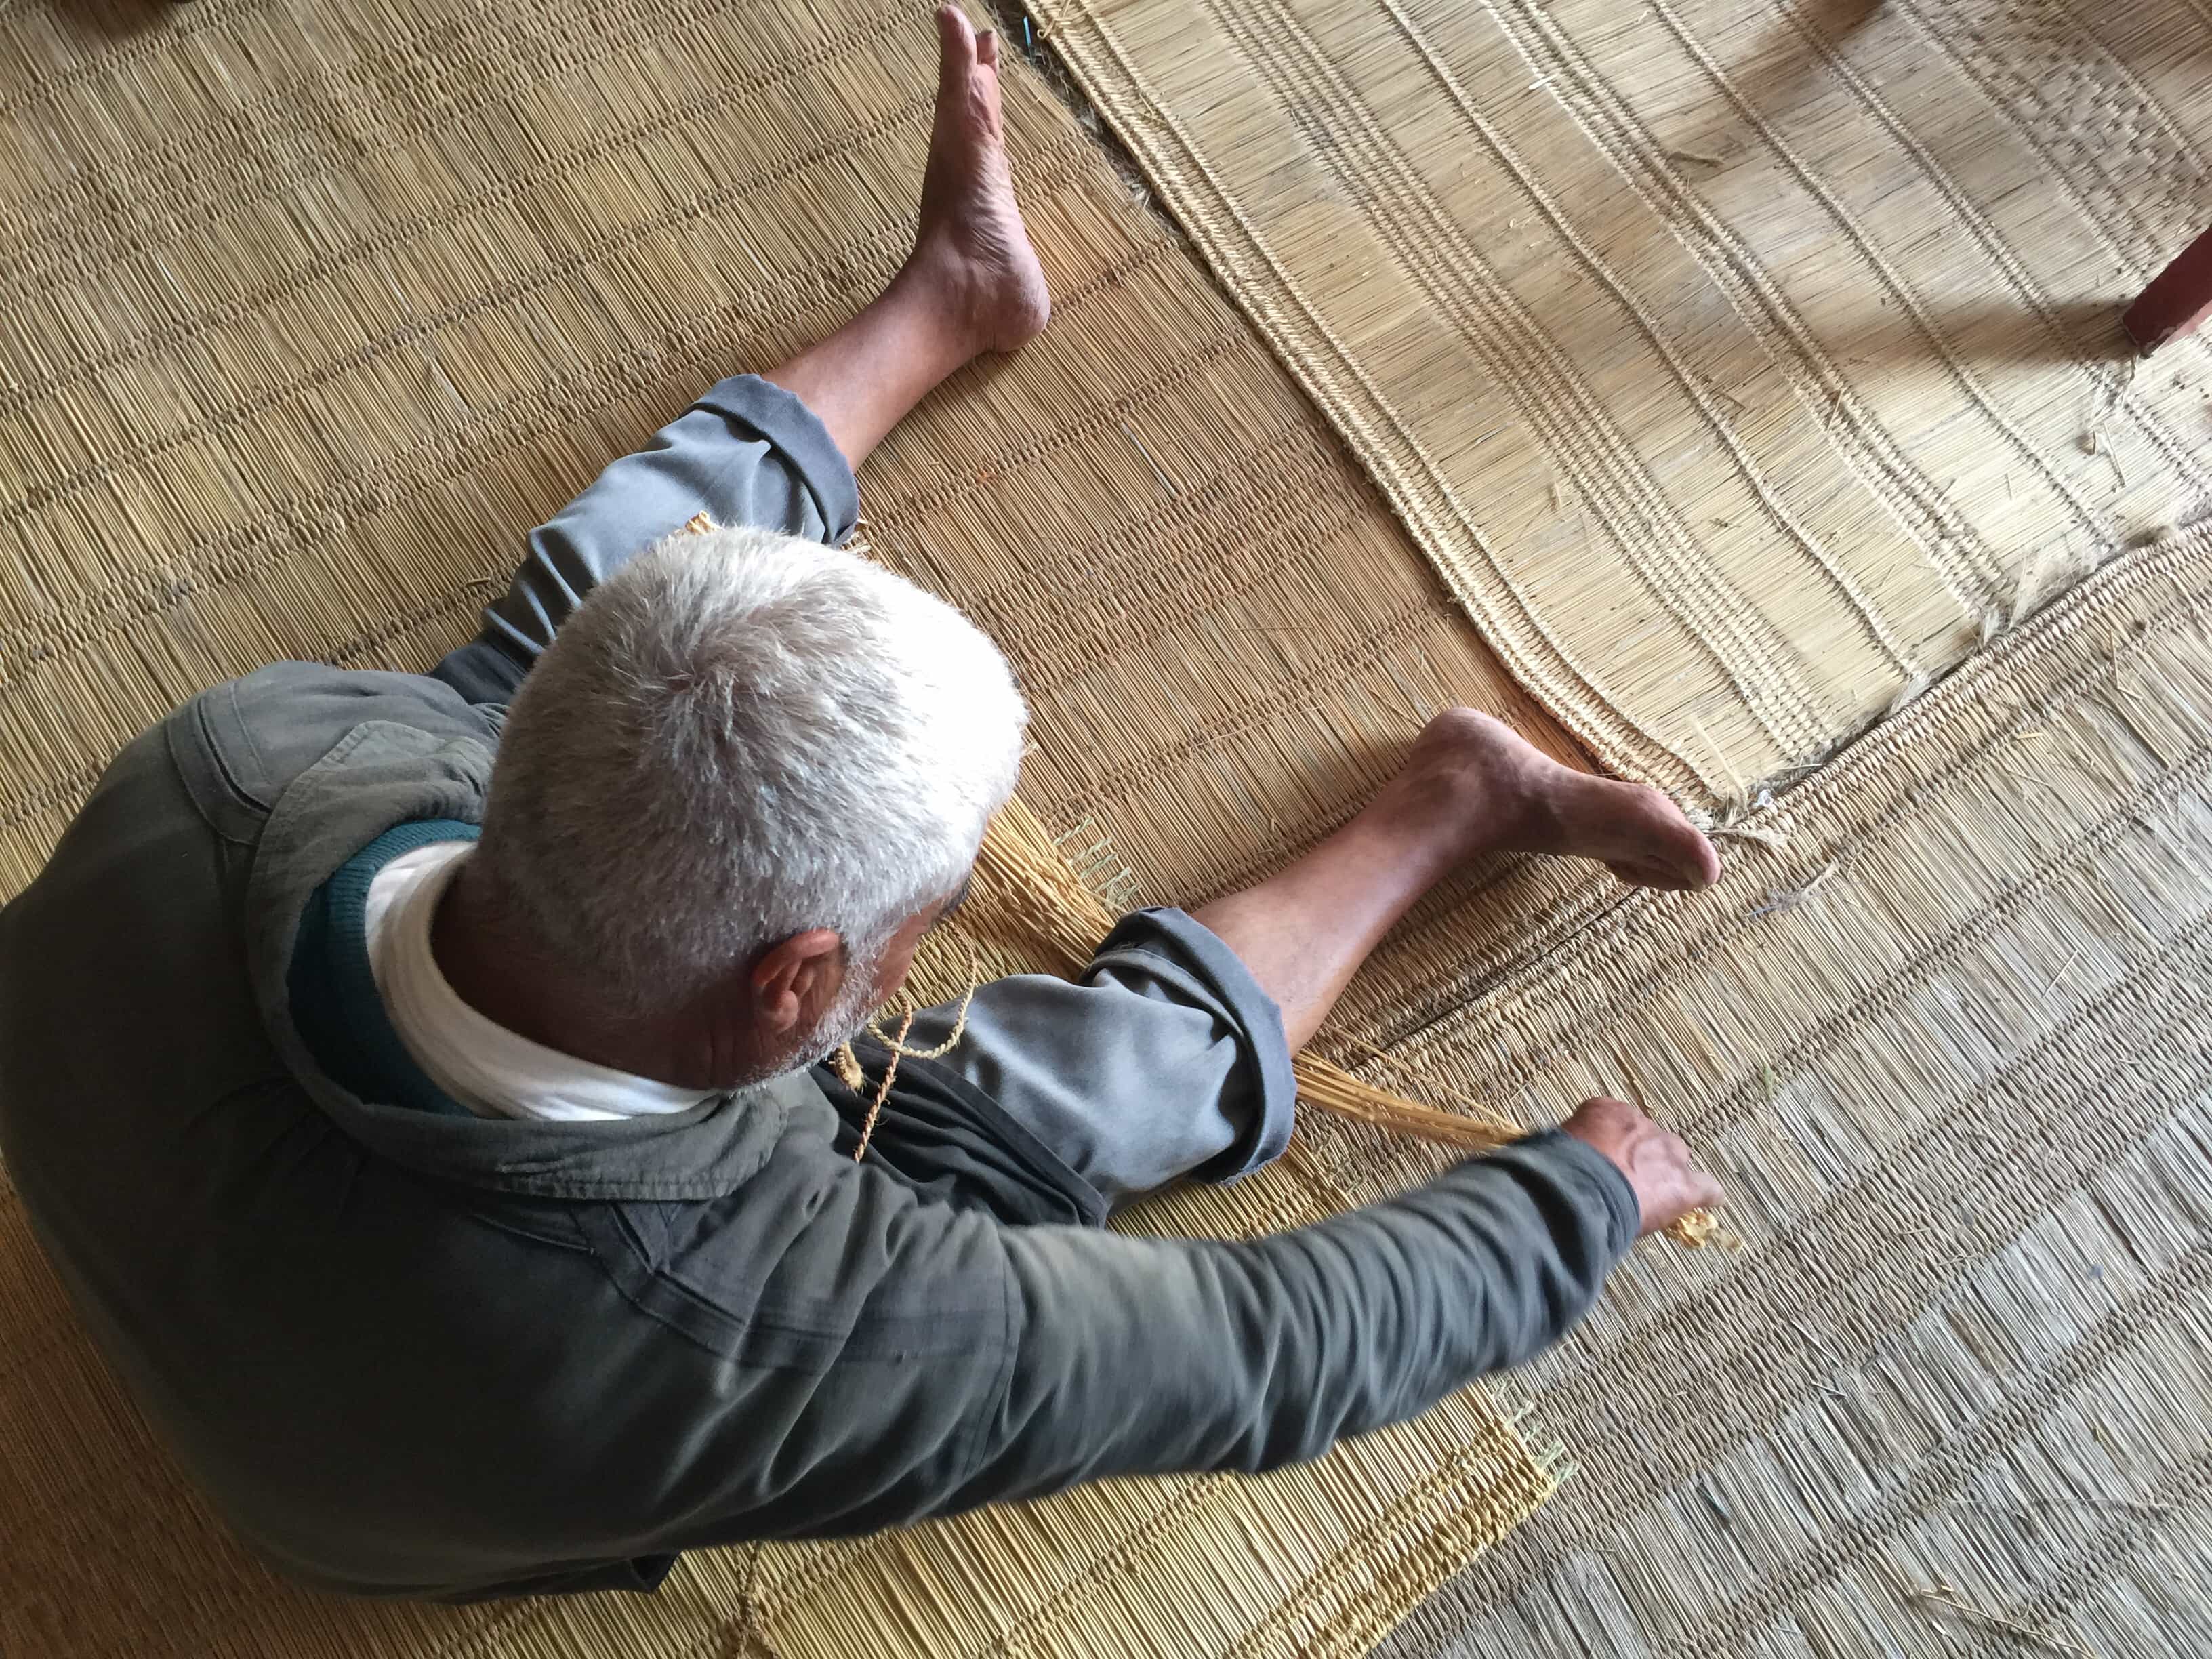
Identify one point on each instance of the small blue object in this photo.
(1028, 45)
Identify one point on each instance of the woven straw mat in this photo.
(311, 308)
(1738, 367)
(1946, 1036)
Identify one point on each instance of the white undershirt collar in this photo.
(492, 1070)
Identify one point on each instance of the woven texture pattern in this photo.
(1740, 367)
(1949, 1043)
(311, 308)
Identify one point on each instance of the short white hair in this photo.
(740, 736)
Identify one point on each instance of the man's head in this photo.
(745, 777)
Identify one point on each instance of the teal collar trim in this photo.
(382, 774)
(335, 1002)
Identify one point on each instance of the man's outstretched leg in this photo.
(972, 283)
(776, 452)
(1472, 785)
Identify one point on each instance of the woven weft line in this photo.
(1740, 370)
(310, 307)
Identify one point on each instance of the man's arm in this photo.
(1137, 1356)
(903, 1360)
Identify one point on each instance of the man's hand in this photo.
(1668, 1182)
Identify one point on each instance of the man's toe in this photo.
(956, 44)
(1695, 859)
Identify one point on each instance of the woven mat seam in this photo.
(1531, 651)
(1572, 423)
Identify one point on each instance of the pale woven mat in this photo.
(311, 308)
(1949, 1044)
(1739, 366)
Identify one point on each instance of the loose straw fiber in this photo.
(310, 307)
(1738, 367)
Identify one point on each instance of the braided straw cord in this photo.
(883, 1090)
(848, 1063)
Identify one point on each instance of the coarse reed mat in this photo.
(1740, 367)
(1948, 1041)
(311, 308)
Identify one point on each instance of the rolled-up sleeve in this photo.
(748, 453)
(1164, 1059)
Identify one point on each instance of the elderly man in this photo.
(419, 1094)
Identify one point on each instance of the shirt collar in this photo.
(491, 1070)
(383, 772)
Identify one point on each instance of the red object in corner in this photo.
(2173, 305)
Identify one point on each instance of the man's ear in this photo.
(794, 981)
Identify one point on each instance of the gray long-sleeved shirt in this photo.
(414, 1353)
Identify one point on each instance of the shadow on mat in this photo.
(110, 19)
(1779, 68)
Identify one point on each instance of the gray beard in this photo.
(842, 1021)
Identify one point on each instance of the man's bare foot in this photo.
(1476, 776)
(971, 252)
